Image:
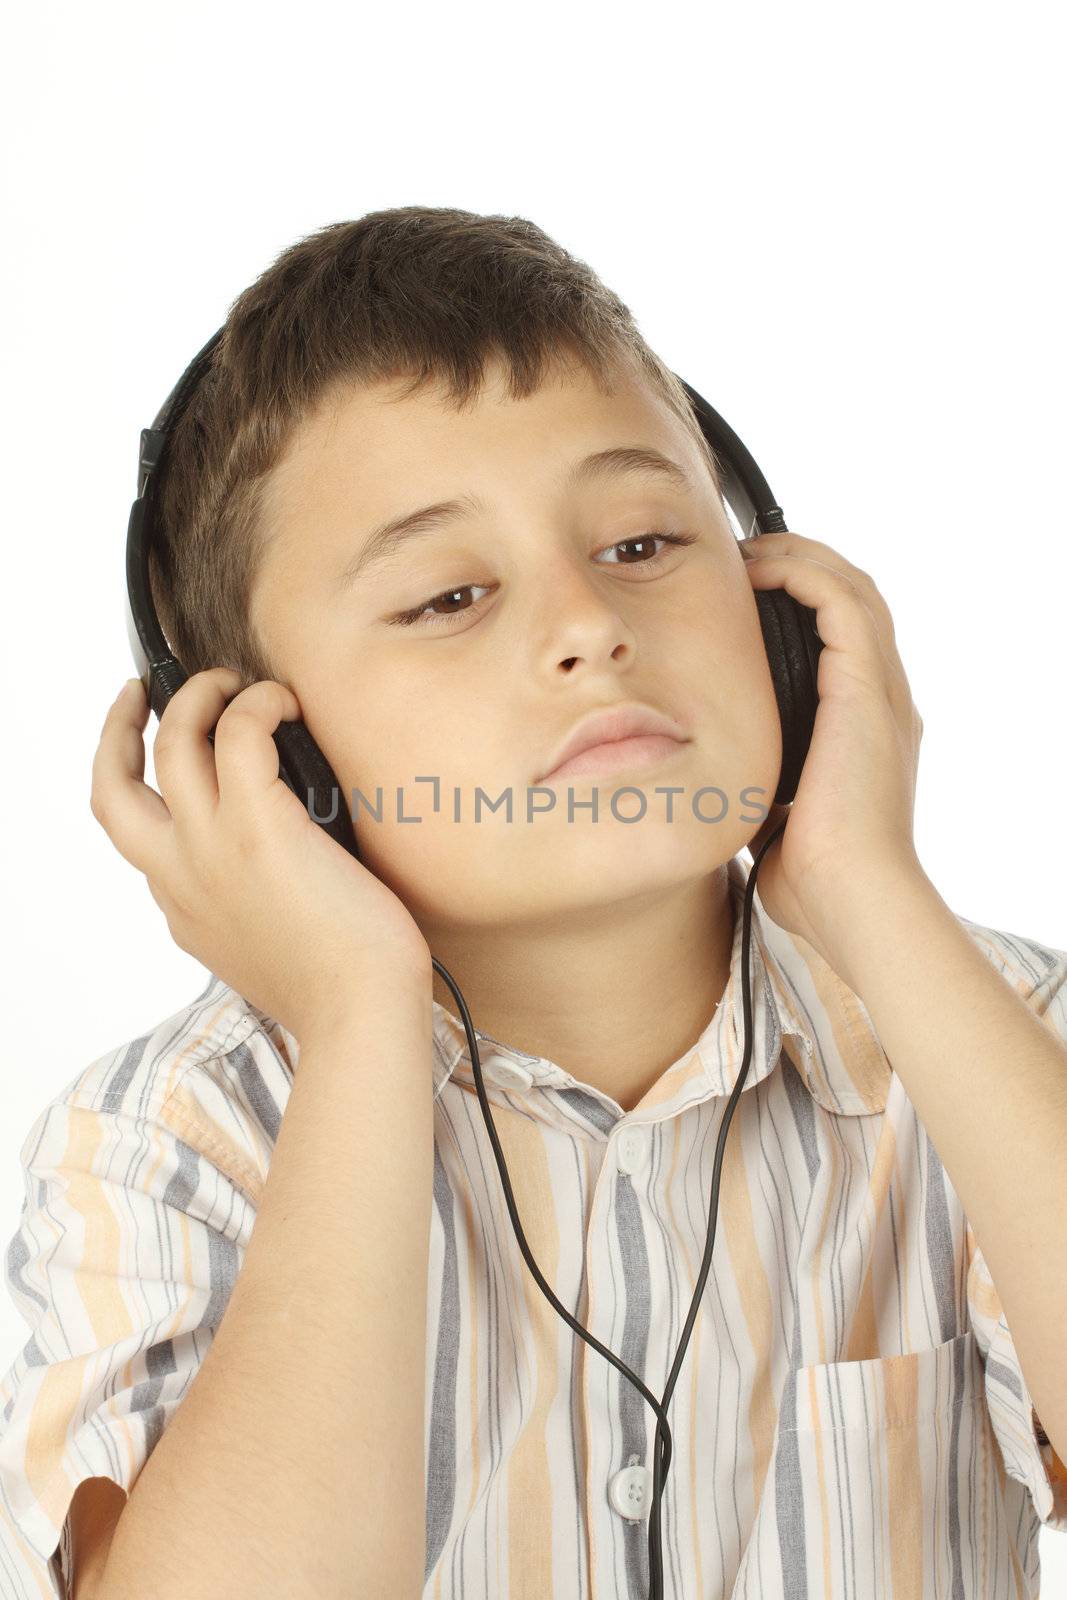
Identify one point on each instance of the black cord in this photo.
(662, 1448)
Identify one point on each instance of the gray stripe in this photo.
(939, 1248)
(1003, 1375)
(941, 1257)
(580, 1471)
(673, 1319)
(633, 1407)
(1029, 955)
(958, 1592)
(839, 1438)
(441, 1467)
(788, 1482)
(494, 1208)
(264, 1106)
(160, 1359)
(789, 1497)
(113, 1099)
(803, 1110)
(694, 1187)
(589, 1108)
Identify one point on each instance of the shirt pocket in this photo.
(886, 1393)
(885, 1480)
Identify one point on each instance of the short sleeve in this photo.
(129, 1242)
(1027, 1454)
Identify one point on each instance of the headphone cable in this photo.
(662, 1449)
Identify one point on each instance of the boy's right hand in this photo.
(249, 884)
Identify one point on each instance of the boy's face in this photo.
(550, 622)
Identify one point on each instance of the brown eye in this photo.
(642, 542)
(406, 619)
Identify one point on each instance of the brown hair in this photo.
(421, 291)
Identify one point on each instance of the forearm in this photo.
(295, 1462)
(988, 1080)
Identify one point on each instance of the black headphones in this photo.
(792, 644)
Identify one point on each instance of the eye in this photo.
(420, 615)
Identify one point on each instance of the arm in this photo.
(299, 1448)
(988, 1080)
(987, 1077)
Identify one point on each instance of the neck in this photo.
(612, 999)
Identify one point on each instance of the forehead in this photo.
(372, 453)
(569, 399)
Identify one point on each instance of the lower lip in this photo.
(618, 755)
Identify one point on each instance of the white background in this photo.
(843, 224)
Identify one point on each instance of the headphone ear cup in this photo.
(307, 772)
(793, 645)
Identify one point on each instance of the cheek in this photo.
(721, 653)
(454, 872)
(759, 728)
(718, 641)
(419, 764)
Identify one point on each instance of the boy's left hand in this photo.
(850, 826)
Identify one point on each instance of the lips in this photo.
(610, 725)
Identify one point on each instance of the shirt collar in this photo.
(797, 1000)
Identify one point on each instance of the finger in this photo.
(842, 618)
(782, 543)
(132, 814)
(894, 676)
(246, 757)
(182, 754)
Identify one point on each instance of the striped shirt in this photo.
(850, 1419)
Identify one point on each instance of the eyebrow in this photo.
(384, 540)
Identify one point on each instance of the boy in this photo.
(274, 1292)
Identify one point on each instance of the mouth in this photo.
(618, 755)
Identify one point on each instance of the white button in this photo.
(507, 1074)
(631, 1492)
(631, 1151)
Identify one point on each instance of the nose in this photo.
(583, 621)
